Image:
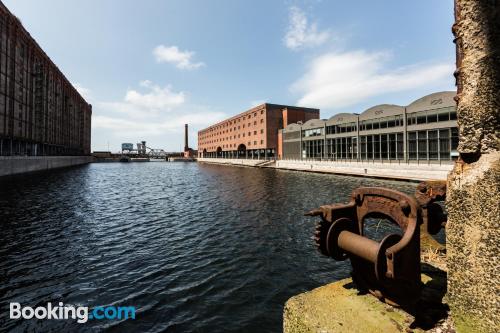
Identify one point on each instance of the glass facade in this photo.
(434, 144)
(429, 135)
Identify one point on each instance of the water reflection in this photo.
(194, 247)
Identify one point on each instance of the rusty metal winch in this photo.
(389, 269)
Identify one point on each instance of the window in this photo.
(368, 125)
(262, 131)
(443, 115)
(411, 119)
(454, 138)
(255, 123)
(444, 144)
(412, 145)
(262, 121)
(261, 142)
(433, 144)
(400, 146)
(249, 133)
(363, 147)
(313, 132)
(432, 118)
(254, 132)
(369, 146)
(422, 145)
(261, 111)
(255, 142)
(421, 118)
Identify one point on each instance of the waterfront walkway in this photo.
(389, 170)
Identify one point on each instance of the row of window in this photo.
(385, 122)
(233, 122)
(205, 136)
(235, 145)
(247, 153)
(432, 144)
(426, 117)
(313, 132)
(342, 128)
(422, 145)
(231, 137)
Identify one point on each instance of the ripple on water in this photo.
(196, 248)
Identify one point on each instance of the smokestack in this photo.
(186, 146)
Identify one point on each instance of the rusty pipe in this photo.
(358, 245)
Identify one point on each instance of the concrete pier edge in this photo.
(389, 171)
(16, 165)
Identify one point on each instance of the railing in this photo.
(371, 161)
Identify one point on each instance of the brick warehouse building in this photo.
(41, 113)
(253, 133)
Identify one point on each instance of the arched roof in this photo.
(433, 101)
(314, 123)
(382, 110)
(292, 127)
(342, 118)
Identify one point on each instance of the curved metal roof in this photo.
(433, 101)
(292, 127)
(382, 110)
(314, 123)
(342, 118)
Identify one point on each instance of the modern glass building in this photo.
(426, 130)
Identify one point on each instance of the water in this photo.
(196, 248)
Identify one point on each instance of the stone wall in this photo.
(11, 165)
(473, 237)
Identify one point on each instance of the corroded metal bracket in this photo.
(389, 269)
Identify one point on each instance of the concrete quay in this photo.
(13, 165)
(393, 170)
(233, 161)
(339, 307)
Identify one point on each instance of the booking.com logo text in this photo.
(81, 314)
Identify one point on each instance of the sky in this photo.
(148, 67)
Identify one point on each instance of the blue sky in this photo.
(150, 66)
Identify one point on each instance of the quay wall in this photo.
(392, 170)
(12, 165)
(231, 161)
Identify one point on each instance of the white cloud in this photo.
(123, 127)
(172, 54)
(300, 33)
(158, 98)
(155, 114)
(145, 83)
(336, 80)
(154, 101)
